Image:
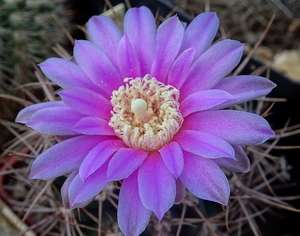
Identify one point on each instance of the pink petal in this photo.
(64, 190)
(180, 192)
(133, 217)
(97, 66)
(180, 68)
(236, 127)
(124, 163)
(241, 164)
(63, 158)
(204, 100)
(65, 194)
(140, 27)
(200, 33)
(93, 126)
(168, 41)
(86, 102)
(204, 144)
(128, 61)
(157, 185)
(204, 178)
(66, 74)
(244, 88)
(97, 156)
(55, 121)
(172, 156)
(104, 33)
(25, 114)
(83, 191)
(60, 138)
(212, 66)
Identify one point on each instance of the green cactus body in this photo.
(28, 31)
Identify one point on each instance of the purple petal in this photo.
(104, 33)
(157, 186)
(128, 61)
(97, 66)
(204, 144)
(204, 178)
(180, 192)
(180, 68)
(125, 162)
(65, 193)
(55, 121)
(133, 217)
(64, 190)
(241, 164)
(97, 156)
(200, 33)
(236, 127)
(244, 88)
(63, 158)
(66, 74)
(86, 102)
(204, 100)
(168, 41)
(140, 27)
(93, 126)
(212, 66)
(172, 156)
(83, 191)
(60, 138)
(25, 114)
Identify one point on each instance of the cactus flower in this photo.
(146, 108)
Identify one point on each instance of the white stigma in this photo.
(139, 107)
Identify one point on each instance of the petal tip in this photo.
(83, 174)
(32, 176)
(44, 63)
(38, 175)
(20, 119)
(269, 133)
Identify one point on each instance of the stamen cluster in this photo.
(160, 121)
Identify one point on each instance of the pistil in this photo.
(139, 107)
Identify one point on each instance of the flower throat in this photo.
(145, 113)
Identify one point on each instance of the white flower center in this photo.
(145, 113)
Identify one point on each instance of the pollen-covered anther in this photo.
(145, 113)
